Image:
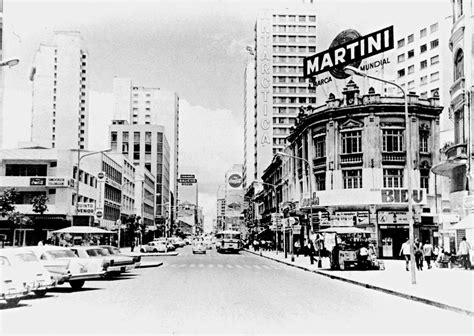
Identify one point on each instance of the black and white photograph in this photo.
(236, 167)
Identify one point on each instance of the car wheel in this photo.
(77, 284)
(155, 250)
(40, 292)
(13, 302)
(142, 250)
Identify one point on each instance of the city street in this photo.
(215, 293)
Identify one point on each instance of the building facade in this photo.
(60, 112)
(146, 145)
(145, 197)
(248, 173)
(355, 175)
(282, 39)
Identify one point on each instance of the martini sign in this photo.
(348, 48)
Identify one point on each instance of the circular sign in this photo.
(235, 180)
(344, 37)
(99, 213)
(101, 175)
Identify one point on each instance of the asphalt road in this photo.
(222, 294)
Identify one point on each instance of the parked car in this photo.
(167, 241)
(115, 251)
(115, 264)
(12, 287)
(32, 269)
(154, 246)
(56, 258)
(199, 247)
(177, 242)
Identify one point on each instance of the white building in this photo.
(60, 93)
(140, 105)
(145, 196)
(283, 38)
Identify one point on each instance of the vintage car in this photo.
(54, 258)
(116, 264)
(199, 247)
(154, 246)
(32, 270)
(177, 242)
(168, 242)
(135, 258)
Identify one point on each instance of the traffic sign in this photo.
(99, 213)
(101, 176)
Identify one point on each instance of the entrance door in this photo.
(395, 238)
(23, 237)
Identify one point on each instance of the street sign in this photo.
(187, 180)
(99, 213)
(187, 176)
(85, 209)
(101, 176)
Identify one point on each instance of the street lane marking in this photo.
(229, 266)
(201, 265)
(238, 266)
(192, 265)
(256, 266)
(219, 265)
(210, 265)
(265, 266)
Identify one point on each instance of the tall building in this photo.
(147, 146)
(138, 105)
(423, 64)
(249, 120)
(60, 93)
(220, 208)
(282, 39)
(2, 79)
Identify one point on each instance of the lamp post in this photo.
(310, 197)
(354, 71)
(79, 158)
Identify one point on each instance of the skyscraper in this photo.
(283, 38)
(60, 93)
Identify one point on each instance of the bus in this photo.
(228, 241)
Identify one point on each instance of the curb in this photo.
(377, 288)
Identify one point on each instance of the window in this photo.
(423, 48)
(425, 179)
(424, 137)
(320, 180)
(401, 43)
(459, 65)
(411, 69)
(392, 178)
(434, 44)
(401, 73)
(411, 38)
(434, 92)
(434, 76)
(411, 53)
(392, 140)
(424, 95)
(401, 58)
(423, 64)
(434, 28)
(312, 18)
(320, 146)
(352, 178)
(411, 85)
(423, 33)
(434, 60)
(352, 142)
(424, 80)
(113, 136)
(301, 18)
(25, 170)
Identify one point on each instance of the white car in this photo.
(115, 264)
(154, 246)
(38, 278)
(133, 258)
(55, 258)
(12, 287)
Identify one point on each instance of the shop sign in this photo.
(343, 218)
(187, 176)
(401, 196)
(392, 217)
(235, 180)
(85, 209)
(363, 218)
(57, 182)
(37, 181)
(348, 47)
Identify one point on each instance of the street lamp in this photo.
(79, 158)
(310, 197)
(350, 70)
(10, 62)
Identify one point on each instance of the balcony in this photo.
(394, 158)
(351, 159)
(319, 162)
(457, 86)
(457, 152)
(456, 155)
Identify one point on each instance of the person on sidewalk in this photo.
(255, 245)
(428, 253)
(419, 254)
(463, 251)
(405, 250)
(311, 251)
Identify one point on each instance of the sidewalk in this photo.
(450, 289)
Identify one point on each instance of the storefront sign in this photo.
(57, 182)
(401, 196)
(37, 181)
(348, 48)
(85, 209)
(343, 218)
(392, 217)
(235, 180)
(363, 218)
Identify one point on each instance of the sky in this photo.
(193, 47)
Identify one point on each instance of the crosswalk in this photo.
(224, 266)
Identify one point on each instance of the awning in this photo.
(465, 224)
(344, 230)
(81, 229)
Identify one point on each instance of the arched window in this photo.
(459, 65)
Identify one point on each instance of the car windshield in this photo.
(4, 261)
(56, 254)
(26, 257)
(112, 250)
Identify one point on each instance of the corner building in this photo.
(282, 39)
(356, 149)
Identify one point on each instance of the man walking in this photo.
(428, 253)
(464, 248)
(405, 250)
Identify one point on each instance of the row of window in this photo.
(292, 49)
(423, 33)
(288, 69)
(293, 89)
(294, 29)
(294, 100)
(112, 173)
(288, 59)
(294, 18)
(282, 79)
(423, 65)
(285, 110)
(84, 177)
(411, 53)
(294, 39)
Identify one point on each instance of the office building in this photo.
(248, 174)
(60, 93)
(282, 39)
(146, 145)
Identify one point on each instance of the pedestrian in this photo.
(362, 256)
(297, 247)
(132, 246)
(463, 251)
(428, 253)
(311, 251)
(40, 243)
(255, 245)
(405, 250)
(419, 254)
(435, 252)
